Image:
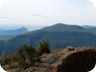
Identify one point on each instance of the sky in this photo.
(17, 13)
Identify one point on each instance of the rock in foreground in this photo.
(65, 60)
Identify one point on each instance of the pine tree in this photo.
(44, 47)
(27, 56)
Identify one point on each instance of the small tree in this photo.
(44, 47)
(5, 60)
(27, 56)
(11, 56)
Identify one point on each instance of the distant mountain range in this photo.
(58, 35)
(8, 34)
(87, 26)
(91, 29)
(13, 32)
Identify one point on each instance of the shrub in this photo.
(5, 60)
(43, 47)
(27, 56)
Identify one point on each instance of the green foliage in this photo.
(11, 57)
(44, 47)
(5, 60)
(8, 60)
(27, 56)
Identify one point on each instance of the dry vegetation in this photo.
(57, 60)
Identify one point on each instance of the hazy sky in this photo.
(47, 12)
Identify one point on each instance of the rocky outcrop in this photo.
(82, 61)
(65, 60)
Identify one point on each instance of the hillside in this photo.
(2, 43)
(2, 47)
(60, 27)
(6, 37)
(80, 59)
(56, 38)
(92, 30)
(87, 26)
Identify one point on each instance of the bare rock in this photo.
(81, 59)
